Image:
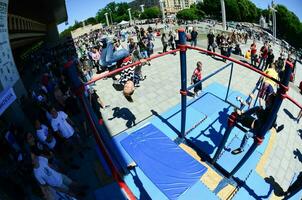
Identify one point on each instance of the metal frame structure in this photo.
(182, 47)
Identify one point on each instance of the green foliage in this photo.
(116, 11)
(289, 26)
(188, 14)
(149, 13)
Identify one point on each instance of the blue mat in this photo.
(123, 157)
(169, 167)
(255, 187)
(228, 161)
(198, 191)
(169, 122)
(209, 104)
(111, 191)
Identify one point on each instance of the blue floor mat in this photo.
(209, 104)
(170, 123)
(111, 191)
(228, 161)
(198, 191)
(123, 157)
(169, 167)
(232, 98)
(142, 187)
(254, 187)
(217, 89)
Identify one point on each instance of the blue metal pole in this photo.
(183, 76)
(269, 122)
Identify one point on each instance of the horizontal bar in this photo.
(209, 76)
(237, 62)
(94, 79)
(293, 101)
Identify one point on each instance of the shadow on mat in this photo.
(278, 191)
(165, 121)
(143, 193)
(212, 133)
(298, 155)
(125, 114)
(289, 114)
(253, 194)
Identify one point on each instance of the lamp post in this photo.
(107, 20)
(110, 13)
(162, 7)
(223, 15)
(272, 8)
(130, 17)
(142, 7)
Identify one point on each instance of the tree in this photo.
(187, 14)
(150, 13)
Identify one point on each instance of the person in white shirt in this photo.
(61, 123)
(44, 136)
(47, 176)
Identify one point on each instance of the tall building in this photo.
(170, 6)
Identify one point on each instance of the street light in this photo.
(130, 17)
(272, 8)
(223, 15)
(162, 7)
(107, 20)
(142, 7)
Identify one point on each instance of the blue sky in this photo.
(83, 9)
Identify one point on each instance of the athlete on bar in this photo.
(253, 119)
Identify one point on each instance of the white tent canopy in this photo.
(123, 22)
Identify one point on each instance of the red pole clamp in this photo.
(232, 119)
(183, 92)
(182, 47)
(258, 140)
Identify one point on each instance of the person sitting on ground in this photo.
(196, 77)
(268, 85)
(255, 123)
(237, 50)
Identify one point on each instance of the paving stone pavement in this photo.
(160, 91)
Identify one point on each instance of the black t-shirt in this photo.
(194, 35)
(211, 38)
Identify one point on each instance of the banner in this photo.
(8, 71)
(7, 97)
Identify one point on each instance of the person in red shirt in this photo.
(264, 55)
(197, 76)
(253, 53)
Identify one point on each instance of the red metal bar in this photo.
(96, 78)
(238, 62)
(293, 101)
(100, 143)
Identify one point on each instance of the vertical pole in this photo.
(223, 15)
(130, 17)
(230, 80)
(183, 76)
(107, 20)
(269, 122)
(162, 7)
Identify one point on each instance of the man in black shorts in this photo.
(254, 123)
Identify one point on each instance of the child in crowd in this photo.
(196, 77)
